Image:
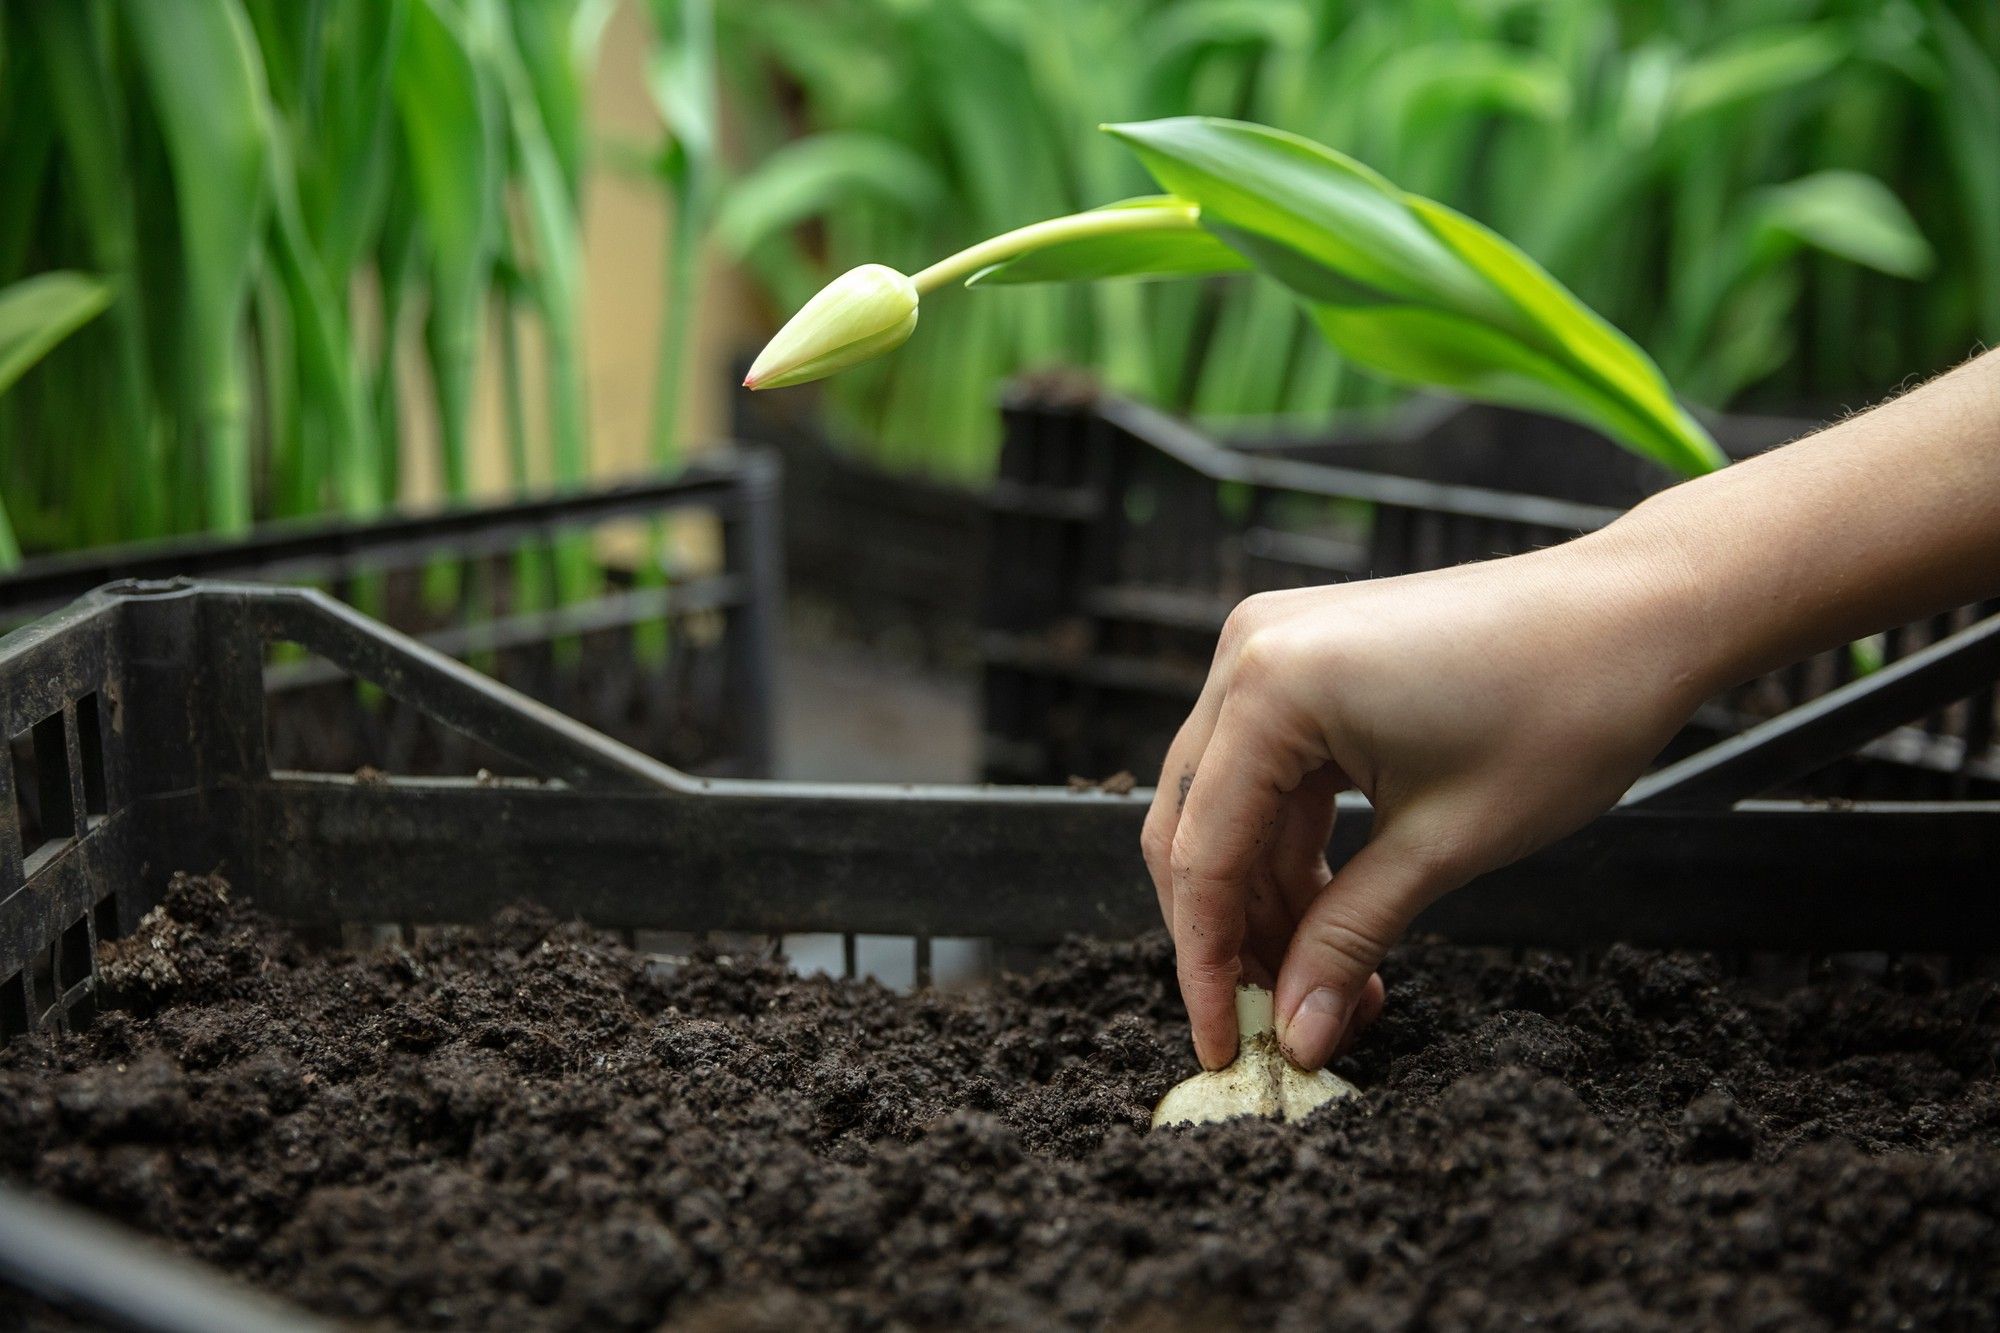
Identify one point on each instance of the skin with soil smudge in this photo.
(523, 1128)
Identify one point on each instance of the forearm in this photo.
(1882, 519)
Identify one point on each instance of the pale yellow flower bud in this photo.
(861, 314)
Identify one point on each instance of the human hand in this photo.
(1489, 709)
(1484, 711)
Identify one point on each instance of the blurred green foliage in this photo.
(1789, 203)
(35, 315)
(1786, 202)
(282, 195)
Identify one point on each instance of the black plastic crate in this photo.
(890, 554)
(1120, 538)
(679, 666)
(144, 711)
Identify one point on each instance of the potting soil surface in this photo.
(527, 1127)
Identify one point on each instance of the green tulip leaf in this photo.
(1301, 274)
(1572, 332)
(1378, 265)
(1322, 204)
(1436, 349)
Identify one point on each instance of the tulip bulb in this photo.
(1261, 1081)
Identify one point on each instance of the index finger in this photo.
(1171, 793)
(1226, 826)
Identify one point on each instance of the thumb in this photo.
(1342, 938)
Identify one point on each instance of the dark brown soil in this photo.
(524, 1128)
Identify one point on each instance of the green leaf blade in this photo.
(447, 111)
(1433, 348)
(1571, 330)
(1321, 203)
(1850, 215)
(1757, 65)
(39, 312)
(1365, 255)
(809, 176)
(206, 76)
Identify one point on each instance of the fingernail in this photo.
(1314, 1027)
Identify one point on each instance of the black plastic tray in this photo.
(705, 702)
(144, 712)
(1120, 538)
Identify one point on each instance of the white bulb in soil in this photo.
(1261, 1081)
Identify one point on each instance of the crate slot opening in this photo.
(75, 988)
(58, 988)
(73, 953)
(900, 962)
(105, 915)
(13, 1007)
(42, 800)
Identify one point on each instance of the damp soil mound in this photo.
(527, 1127)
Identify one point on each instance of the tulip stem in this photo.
(1040, 235)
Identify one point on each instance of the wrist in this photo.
(1646, 586)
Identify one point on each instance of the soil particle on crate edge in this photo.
(526, 1127)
